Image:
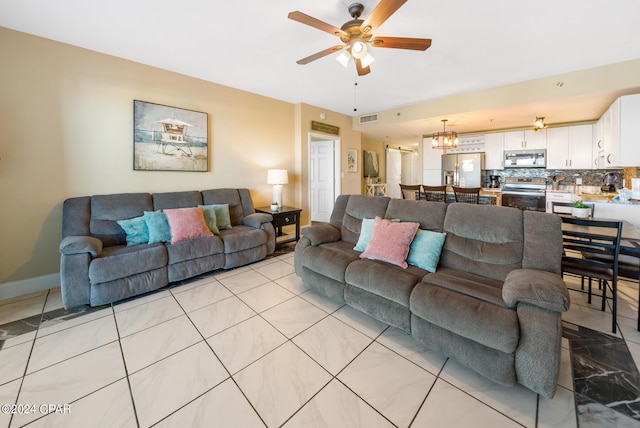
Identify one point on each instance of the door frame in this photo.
(337, 165)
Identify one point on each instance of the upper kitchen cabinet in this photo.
(529, 139)
(493, 151)
(625, 132)
(570, 147)
(618, 133)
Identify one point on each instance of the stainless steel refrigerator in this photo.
(464, 170)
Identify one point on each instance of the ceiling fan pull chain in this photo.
(355, 95)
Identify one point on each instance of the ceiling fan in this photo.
(357, 34)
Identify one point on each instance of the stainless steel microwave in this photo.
(525, 158)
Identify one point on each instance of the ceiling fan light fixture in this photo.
(367, 60)
(444, 139)
(343, 58)
(358, 49)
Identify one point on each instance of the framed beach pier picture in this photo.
(169, 138)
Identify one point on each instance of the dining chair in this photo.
(470, 195)
(628, 266)
(565, 208)
(412, 191)
(591, 249)
(435, 193)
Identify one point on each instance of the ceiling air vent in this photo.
(369, 118)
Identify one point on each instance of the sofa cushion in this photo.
(106, 210)
(186, 199)
(117, 262)
(486, 240)
(487, 289)
(242, 238)
(383, 279)
(425, 249)
(390, 241)
(194, 249)
(330, 260)
(429, 214)
(186, 223)
(359, 207)
(136, 230)
(475, 319)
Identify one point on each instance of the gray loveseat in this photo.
(97, 267)
(494, 303)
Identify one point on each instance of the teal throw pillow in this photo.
(210, 218)
(366, 230)
(158, 226)
(425, 249)
(136, 230)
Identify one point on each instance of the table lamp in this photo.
(277, 177)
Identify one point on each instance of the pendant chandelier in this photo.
(444, 139)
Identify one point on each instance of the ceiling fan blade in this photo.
(316, 23)
(362, 71)
(320, 54)
(381, 13)
(401, 43)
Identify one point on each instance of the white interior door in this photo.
(394, 173)
(322, 179)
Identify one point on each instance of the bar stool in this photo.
(435, 193)
(470, 195)
(412, 190)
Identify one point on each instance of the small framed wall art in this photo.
(169, 138)
(352, 160)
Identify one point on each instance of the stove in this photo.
(525, 193)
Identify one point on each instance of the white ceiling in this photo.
(251, 45)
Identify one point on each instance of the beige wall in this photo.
(350, 182)
(66, 130)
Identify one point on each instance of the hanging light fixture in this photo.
(444, 139)
(539, 124)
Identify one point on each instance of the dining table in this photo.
(629, 240)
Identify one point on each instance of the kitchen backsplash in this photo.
(590, 177)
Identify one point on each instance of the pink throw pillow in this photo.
(390, 242)
(186, 223)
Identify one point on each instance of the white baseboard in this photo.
(30, 285)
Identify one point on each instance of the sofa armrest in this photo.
(536, 287)
(256, 220)
(81, 244)
(321, 234)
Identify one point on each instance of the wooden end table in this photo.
(285, 216)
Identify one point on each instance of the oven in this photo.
(525, 193)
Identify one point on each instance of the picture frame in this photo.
(352, 160)
(371, 163)
(169, 138)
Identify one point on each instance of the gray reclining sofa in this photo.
(494, 302)
(97, 267)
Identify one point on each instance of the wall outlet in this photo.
(578, 181)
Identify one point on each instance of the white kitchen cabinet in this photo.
(431, 164)
(529, 140)
(564, 197)
(622, 148)
(598, 145)
(494, 151)
(570, 147)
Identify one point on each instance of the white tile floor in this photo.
(252, 347)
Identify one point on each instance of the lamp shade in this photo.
(277, 176)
